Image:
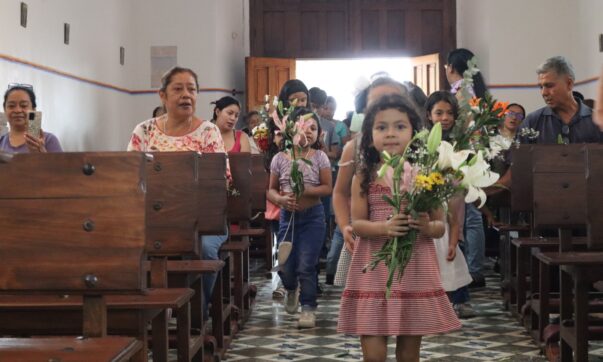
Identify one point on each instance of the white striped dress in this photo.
(417, 305)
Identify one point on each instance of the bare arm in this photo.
(397, 225)
(245, 146)
(342, 193)
(287, 201)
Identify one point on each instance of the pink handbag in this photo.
(273, 212)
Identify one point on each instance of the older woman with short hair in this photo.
(180, 130)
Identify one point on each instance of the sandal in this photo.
(279, 293)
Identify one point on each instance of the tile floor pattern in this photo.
(272, 335)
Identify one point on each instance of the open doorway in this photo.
(338, 77)
(343, 78)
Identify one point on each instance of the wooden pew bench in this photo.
(85, 235)
(188, 199)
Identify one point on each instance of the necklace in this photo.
(165, 122)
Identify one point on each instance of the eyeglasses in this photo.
(518, 116)
(565, 132)
(19, 85)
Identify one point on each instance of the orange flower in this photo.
(474, 102)
(501, 107)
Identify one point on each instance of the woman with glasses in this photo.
(513, 118)
(19, 101)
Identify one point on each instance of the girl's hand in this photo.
(451, 252)
(288, 202)
(348, 237)
(35, 145)
(397, 225)
(421, 222)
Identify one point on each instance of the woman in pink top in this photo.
(226, 114)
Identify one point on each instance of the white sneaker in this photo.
(291, 301)
(307, 319)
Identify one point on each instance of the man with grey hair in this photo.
(564, 119)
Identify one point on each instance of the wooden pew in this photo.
(187, 199)
(513, 265)
(548, 163)
(263, 235)
(581, 269)
(77, 229)
(90, 186)
(239, 214)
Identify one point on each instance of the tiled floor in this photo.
(272, 335)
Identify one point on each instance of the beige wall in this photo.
(512, 37)
(211, 36)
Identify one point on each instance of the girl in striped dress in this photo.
(418, 304)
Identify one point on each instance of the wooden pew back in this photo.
(559, 186)
(186, 197)
(72, 222)
(239, 205)
(259, 183)
(594, 197)
(521, 169)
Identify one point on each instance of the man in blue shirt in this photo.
(564, 119)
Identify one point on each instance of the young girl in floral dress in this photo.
(418, 304)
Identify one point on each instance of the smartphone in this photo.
(3, 124)
(34, 125)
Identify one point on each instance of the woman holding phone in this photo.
(19, 102)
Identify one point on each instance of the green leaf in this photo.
(435, 138)
(389, 201)
(306, 161)
(382, 170)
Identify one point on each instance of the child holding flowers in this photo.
(414, 304)
(302, 215)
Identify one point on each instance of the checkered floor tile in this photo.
(272, 335)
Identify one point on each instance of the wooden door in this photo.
(265, 76)
(426, 73)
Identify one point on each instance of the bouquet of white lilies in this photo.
(431, 171)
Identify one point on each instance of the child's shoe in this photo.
(307, 319)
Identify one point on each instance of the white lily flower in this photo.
(475, 177)
(498, 144)
(447, 158)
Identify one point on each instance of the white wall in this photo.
(203, 32)
(211, 37)
(512, 37)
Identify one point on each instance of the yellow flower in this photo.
(436, 178)
(424, 182)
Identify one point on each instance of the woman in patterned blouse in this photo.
(180, 130)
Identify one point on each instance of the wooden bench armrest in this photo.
(239, 246)
(194, 266)
(512, 227)
(151, 299)
(190, 266)
(584, 258)
(248, 232)
(69, 349)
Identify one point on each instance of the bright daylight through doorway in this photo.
(341, 78)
